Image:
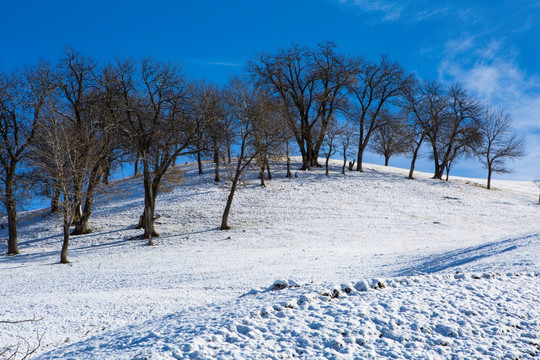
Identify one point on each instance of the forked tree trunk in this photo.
(81, 227)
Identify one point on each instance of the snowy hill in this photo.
(368, 265)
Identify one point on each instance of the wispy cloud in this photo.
(395, 10)
(224, 63)
(492, 74)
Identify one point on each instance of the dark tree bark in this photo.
(55, 199)
(415, 156)
(11, 211)
(65, 243)
(289, 175)
(267, 162)
(199, 157)
(217, 178)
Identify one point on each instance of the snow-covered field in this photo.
(363, 266)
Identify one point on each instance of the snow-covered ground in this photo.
(363, 266)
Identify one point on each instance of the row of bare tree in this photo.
(64, 127)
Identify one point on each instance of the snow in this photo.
(367, 265)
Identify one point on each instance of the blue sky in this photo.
(492, 47)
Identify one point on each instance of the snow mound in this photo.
(461, 316)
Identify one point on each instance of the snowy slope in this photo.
(448, 254)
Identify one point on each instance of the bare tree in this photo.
(55, 155)
(375, 85)
(311, 84)
(330, 144)
(22, 97)
(452, 124)
(256, 115)
(156, 120)
(87, 104)
(392, 136)
(500, 142)
(415, 107)
(208, 107)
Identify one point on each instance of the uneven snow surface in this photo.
(374, 267)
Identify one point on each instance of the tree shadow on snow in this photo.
(436, 263)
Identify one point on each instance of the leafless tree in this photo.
(499, 142)
(391, 136)
(414, 104)
(215, 132)
(55, 155)
(310, 83)
(256, 115)
(330, 144)
(154, 101)
(452, 124)
(87, 104)
(22, 96)
(346, 136)
(375, 85)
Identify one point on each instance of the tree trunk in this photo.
(11, 209)
(150, 194)
(81, 227)
(415, 156)
(229, 157)
(216, 162)
(55, 200)
(65, 244)
(268, 168)
(344, 163)
(136, 167)
(386, 160)
(225, 217)
(326, 163)
(261, 175)
(199, 160)
(107, 172)
(413, 162)
(489, 180)
(359, 160)
(289, 175)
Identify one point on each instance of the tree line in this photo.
(65, 127)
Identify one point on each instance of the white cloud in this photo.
(492, 74)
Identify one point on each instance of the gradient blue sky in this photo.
(492, 47)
